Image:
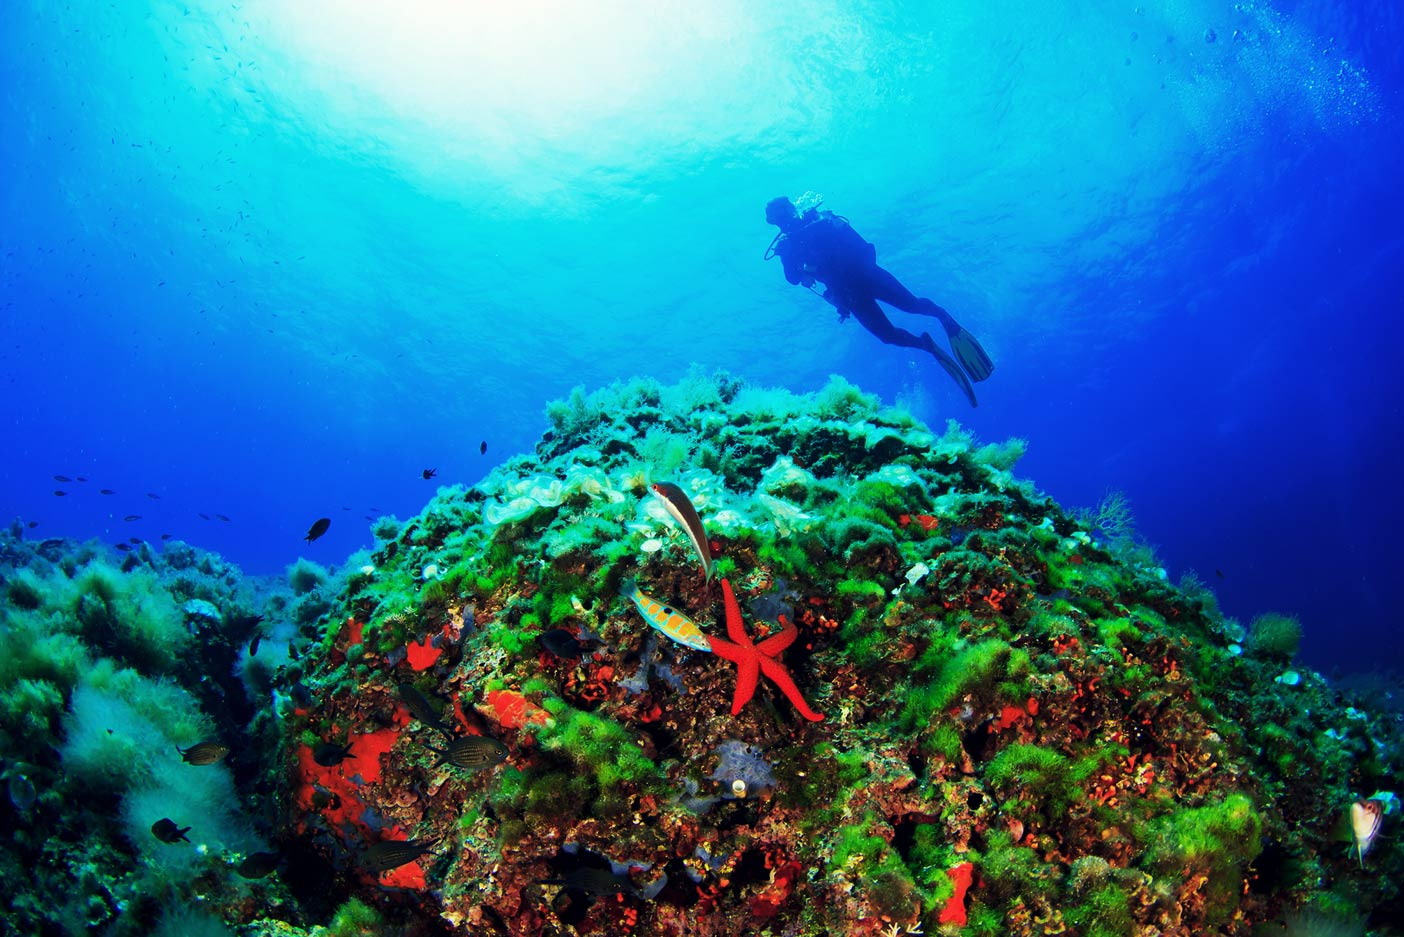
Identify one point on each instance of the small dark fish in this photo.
(253, 645)
(153, 497)
(132, 517)
(471, 752)
(599, 883)
(62, 478)
(60, 494)
(429, 473)
(562, 643)
(166, 831)
(202, 516)
(258, 864)
(165, 536)
(81, 478)
(203, 753)
(482, 447)
(1219, 573)
(223, 517)
(135, 540)
(124, 547)
(301, 696)
(382, 857)
(52, 543)
(32, 524)
(421, 709)
(317, 529)
(245, 622)
(106, 491)
(329, 754)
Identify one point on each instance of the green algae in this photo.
(919, 763)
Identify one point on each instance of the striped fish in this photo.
(471, 752)
(203, 753)
(391, 854)
(666, 618)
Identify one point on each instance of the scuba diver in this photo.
(821, 246)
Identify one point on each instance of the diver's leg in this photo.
(872, 318)
(890, 290)
(964, 345)
(870, 314)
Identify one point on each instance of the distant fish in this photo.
(429, 473)
(166, 831)
(135, 540)
(482, 447)
(258, 864)
(32, 524)
(203, 753)
(106, 491)
(253, 644)
(471, 752)
(382, 857)
(329, 754)
(666, 618)
(317, 529)
(58, 493)
(222, 517)
(165, 536)
(202, 516)
(153, 497)
(132, 517)
(62, 478)
(81, 478)
(124, 547)
(682, 511)
(1219, 573)
(53, 543)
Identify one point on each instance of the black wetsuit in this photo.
(825, 247)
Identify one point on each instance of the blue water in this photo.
(271, 260)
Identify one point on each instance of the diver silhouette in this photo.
(819, 246)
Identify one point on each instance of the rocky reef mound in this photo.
(711, 660)
(1025, 729)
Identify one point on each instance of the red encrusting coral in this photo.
(514, 711)
(335, 792)
(422, 655)
(954, 911)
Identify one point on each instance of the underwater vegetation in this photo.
(712, 659)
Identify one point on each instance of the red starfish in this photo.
(752, 659)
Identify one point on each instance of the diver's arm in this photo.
(794, 270)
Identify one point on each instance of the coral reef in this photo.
(1026, 729)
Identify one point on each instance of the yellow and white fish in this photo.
(666, 619)
(677, 504)
(1366, 816)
